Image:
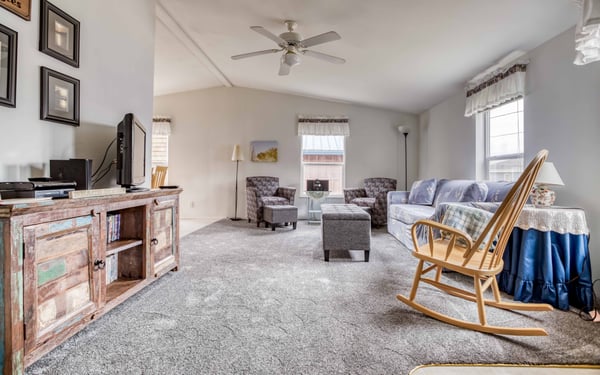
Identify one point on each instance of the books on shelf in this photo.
(112, 268)
(113, 227)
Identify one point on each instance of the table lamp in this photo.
(541, 196)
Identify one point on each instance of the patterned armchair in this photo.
(374, 196)
(265, 191)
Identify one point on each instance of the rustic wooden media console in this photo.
(66, 262)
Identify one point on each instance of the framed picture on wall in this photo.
(59, 97)
(264, 151)
(21, 8)
(8, 66)
(59, 34)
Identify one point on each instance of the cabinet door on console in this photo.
(164, 243)
(61, 287)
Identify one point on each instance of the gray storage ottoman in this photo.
(280, 214)
(345, 227)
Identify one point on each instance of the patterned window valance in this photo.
(323, 125)
(161, 125)
(496, 88)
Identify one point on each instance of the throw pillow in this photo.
(422, 192)
(470, 220)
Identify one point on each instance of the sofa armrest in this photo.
(287, 192)
(352, 193)
(397, 197)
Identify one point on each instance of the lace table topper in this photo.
(555, 219)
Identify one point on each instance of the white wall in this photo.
(207, 123)
(116, 74)
(562, 114)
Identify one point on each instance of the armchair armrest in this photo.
(398, 197)
(351, 193)
(286, 192)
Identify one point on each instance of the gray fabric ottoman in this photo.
(345, 227)
(280, 214)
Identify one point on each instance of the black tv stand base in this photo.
(135, 189)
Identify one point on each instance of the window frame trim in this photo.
(302, 163)
(487, 132)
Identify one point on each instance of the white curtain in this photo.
(323, 125)
(587, 33)
(496, 88)
(161, 125)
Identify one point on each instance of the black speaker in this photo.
(78, 170)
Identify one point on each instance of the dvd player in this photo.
(37, 185)
(45, 193)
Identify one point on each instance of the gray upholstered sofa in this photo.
(427, 198)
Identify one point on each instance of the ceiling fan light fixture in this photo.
(291, 58)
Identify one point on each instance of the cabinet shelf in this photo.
(118, 246)
(118, 287)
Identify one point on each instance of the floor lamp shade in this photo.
(236, 156)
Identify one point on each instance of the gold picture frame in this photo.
(21, 8)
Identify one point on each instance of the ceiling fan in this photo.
(293, 46)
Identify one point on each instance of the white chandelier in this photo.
(587, 33)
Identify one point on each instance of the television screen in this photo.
(131, 152)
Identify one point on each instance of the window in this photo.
(161, 129)
(323, 158)
(504, 141)
(160, 149)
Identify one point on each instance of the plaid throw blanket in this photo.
(470, 220)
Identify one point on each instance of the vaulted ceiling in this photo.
(404, 55)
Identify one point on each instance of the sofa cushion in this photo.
(422, 192)
(497, 190)
(410, 213)
(459, 191)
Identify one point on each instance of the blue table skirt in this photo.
(548, 267)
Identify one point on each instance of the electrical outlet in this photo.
(192, 204)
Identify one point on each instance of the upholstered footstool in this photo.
(345, 227)
(280, 214)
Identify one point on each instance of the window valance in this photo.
(496, 88)
(161, 125)
(323, 125)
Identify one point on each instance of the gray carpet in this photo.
(253, 301)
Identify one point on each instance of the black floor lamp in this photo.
(404, 130)
(237, 156)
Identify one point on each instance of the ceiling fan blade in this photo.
(284, 69)
(257, 53)
(324, 56)
(320, 39)
(264, 32)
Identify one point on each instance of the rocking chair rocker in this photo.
(479, 258)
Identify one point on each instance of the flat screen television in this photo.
(131, 153)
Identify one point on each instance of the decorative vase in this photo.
(542, 197)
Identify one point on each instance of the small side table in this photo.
(547, 258)
(315, 196)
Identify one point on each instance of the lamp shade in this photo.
(548, 175)
(237, 154)
(403, 129)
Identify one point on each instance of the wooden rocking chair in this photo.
(480, 258)
(158, 176)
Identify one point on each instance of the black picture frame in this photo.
(59, 99)
(59, 34)
(8, 64)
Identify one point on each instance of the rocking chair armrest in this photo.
(441, 227)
